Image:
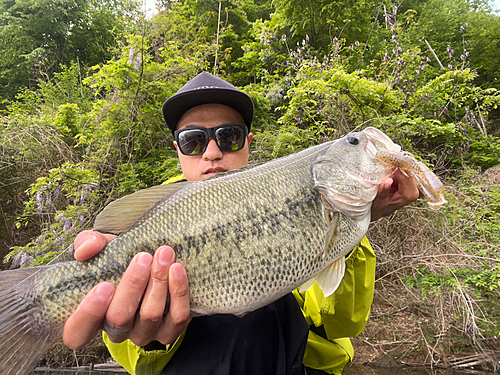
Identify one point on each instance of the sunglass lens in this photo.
(192, 142)
(231, 138)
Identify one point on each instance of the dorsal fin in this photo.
(122, 214)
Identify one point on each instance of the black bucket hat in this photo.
(203, 89)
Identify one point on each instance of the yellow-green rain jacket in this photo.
(342, 315)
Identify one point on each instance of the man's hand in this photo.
(136, 310)
(393, 194)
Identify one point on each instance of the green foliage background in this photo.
(82, 86)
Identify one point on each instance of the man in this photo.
(211, 122)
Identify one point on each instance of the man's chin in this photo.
(212, 172)
(208, 175)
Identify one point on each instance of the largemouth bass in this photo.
(246, 238)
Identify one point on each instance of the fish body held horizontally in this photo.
(245, 238)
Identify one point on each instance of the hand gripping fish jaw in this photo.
(428, 183)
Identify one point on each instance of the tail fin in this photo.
(24, 336)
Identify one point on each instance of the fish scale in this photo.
(245, 238)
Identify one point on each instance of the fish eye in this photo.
(352, 140)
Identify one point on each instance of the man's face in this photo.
(213, 160)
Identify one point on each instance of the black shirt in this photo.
(271, 340)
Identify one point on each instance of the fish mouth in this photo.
(369, 170)
(378, 141)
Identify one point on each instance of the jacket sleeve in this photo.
(139, 361)
(342, 315)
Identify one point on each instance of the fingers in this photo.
(137, 309)
(384, 189)
(394, 193)
(154, 322)
(88, 243)
(154, 303)
(407, 187)
(122, 310)
(178, 316)
(81, 326)
(179, 294)
(381, 201)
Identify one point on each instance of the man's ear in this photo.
(250, 137)
(175, 144)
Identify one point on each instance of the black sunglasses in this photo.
(194, 141)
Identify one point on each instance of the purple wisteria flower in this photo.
(21, 259)
(39, 202)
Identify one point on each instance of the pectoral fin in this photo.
(307, 285)
(122, 214)
(332, 233)
(329, 279)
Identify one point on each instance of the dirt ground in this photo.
(410, 335)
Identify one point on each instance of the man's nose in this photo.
(213, 151)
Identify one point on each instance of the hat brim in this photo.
(177, 105)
